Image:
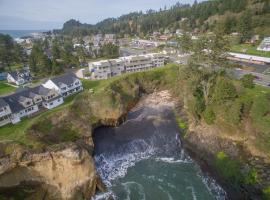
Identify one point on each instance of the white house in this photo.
(265, 45)
(19, 77)
(47, 98)
(65, 85)
(28, 101)
(5, 112)
(21, 105)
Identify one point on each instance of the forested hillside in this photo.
(245, 16)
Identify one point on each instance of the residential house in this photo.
(65, 85)
(45, 97)
(19, 77)
(110, 38)
(28, 101)
(265, 45)
(5, 112)
(21, 105)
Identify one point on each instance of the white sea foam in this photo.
(191, 188)
(103, 196)
(212, 186)
(128, 185)
(111, 167)
(173, 160)
(167, 193)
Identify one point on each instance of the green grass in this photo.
(17, 132)
(249, 49)
(5, 89)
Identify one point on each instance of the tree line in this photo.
(232, 15)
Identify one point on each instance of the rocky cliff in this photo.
(65, 173)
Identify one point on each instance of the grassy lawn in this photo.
(5, 89)
(249, 49)
(259, 115)
(17, 132)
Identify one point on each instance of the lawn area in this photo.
(16, 132)
(249, 49)
(259, 114)
(5, 89)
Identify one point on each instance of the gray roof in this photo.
(13, 103)
(67, 79)
(40, 90)
(3, 103)
(22, 73)
(13, 99)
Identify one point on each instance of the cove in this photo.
(143, 158)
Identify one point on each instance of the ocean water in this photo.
(20, 33)
(143, 160)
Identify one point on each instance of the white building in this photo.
(28, 101)
(5, 113)
(158, 59)
(19, 77)
(106, 68)
(265, 45)
(48, 98)
(248, 58)
(65, 85)
(137, 63)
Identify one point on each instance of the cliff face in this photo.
(205, 142)
(68, 173)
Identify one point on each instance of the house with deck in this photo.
(28, 101)
(19, 77)
(65, 85)
(5, 112)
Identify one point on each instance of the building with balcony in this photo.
(65, 85)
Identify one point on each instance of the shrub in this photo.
(251, 176)
(229, 169)
(209, 115)
(266, 193)
(233, 112)
(224, 90)
(247, 81)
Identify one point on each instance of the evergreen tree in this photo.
(245, 26)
